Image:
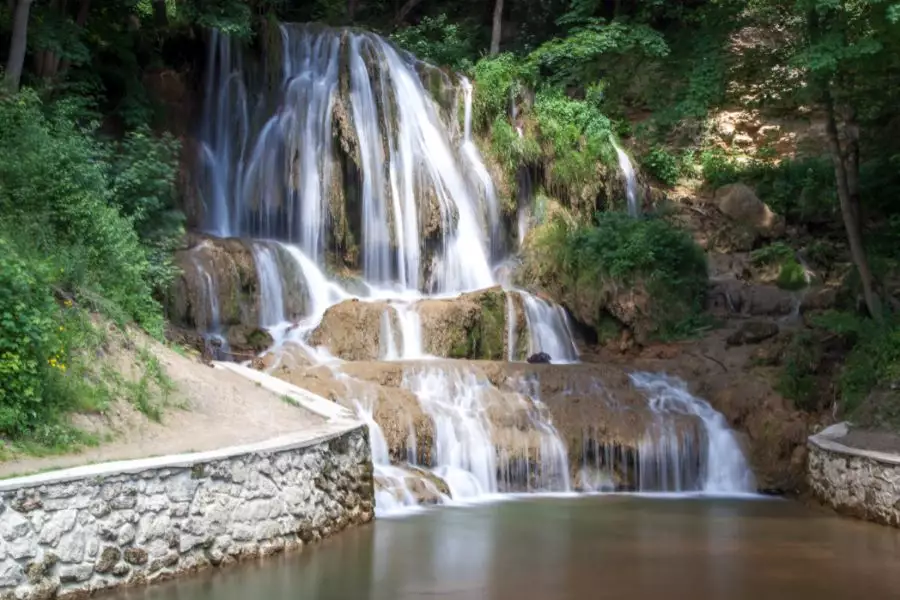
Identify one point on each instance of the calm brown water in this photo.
(589, 548)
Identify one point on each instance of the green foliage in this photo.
(792, 276)
(29, 345)
(798, 378)
(774, 253)
(577, 58)
(623, 251)
(575, 136)
(144, 171)
(874, 358)
(71, 215)
(511, 149)
(496, 79)
(438, 41)
(661, 164)
(801, 190)
(232, 17)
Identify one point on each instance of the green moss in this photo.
(792, 276)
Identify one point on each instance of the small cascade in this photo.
(211, 323)
(628, 173)
(510, 328)
(393, 493)
(467, 456)
(548, 329)
(386, 337)
(722, 467)
(271, 292)
(410, 331)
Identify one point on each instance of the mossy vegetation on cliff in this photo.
(648, 274)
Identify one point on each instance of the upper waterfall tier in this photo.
(341, 148)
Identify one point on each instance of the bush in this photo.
(62, 189)
(29, 344)
(575, 136)
(621, 251)
(874, 357)
(438, 41)
(496, 78)
(661, 165)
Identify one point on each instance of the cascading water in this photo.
(631, 192)
(271, 293)
(289, 157)
(549, 329)
(467, 456)
(722, 468)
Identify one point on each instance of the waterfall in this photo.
(480, 173)
(631, 192)
(467, 456)
(271, 292)
(548, 329)
(723, 468)
(216, 344)
(336, 156)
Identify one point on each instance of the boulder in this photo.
(752, 332)
(539, 358)
(740, 203)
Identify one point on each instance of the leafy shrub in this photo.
(577, 57)
(661, 165)
(511, 149)
(798, 380)
(496, 78)
(575, 136)
(624, 251)
(874, 357)
(143, 186)
(58, 190)
(29, 346)
(438, 41)
(774, 253)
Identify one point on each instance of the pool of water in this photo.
(588, 548)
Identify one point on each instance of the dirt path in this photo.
(219, 409)
(876, 441)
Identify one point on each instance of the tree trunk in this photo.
(160, 16)
(497, 28)
(846, 175)
(351, 10)
(17, 45)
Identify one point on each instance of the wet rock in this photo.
(752, 332)
(741, 204)
(539, 358)
(733, 297)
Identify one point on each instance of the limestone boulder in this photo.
(741, 204)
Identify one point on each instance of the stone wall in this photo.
(74, 532)
(855, 482)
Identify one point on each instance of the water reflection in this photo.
(568, 548)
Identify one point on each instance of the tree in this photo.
(497, 28)
(848, 48)
(17, 45)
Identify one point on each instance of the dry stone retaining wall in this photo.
(74, 532)
(856, 482)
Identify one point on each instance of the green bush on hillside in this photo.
(438, 41)
(623, 251)
(29, 342)
(65, 192)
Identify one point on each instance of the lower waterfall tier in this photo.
(485, 427)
